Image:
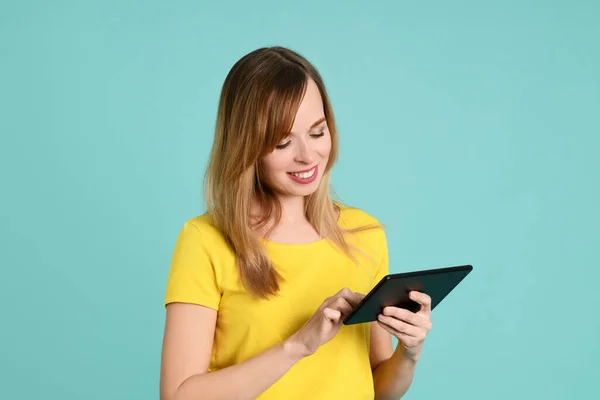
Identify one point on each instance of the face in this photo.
(297, 164)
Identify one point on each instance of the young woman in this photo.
(259, 284)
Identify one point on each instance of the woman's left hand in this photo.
(408, 327)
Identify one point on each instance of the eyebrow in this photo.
(317, 122)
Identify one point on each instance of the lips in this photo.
(306, 170)
(305, 176)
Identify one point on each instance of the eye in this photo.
(286, 144)
(283, 146)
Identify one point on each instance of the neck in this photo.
(292, 210)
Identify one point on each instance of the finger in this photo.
(325, 303)
(343, 292)
(401, 326)
(358, 297)
(332, 315)
(408, 341)
(342, 305)
(419, 320)
(423, 299)
(354, 299)
(351, 297)
(388, 328)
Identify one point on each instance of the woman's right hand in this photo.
(326, 322)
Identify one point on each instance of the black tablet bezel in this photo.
(437, 271)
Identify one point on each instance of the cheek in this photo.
(273, 165)
(324, 146)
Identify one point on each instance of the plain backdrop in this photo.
(470, 128)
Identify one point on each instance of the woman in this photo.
(259, 285)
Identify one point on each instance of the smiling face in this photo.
(295, 167)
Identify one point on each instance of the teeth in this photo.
(304, 175)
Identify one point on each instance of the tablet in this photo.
(393, 289)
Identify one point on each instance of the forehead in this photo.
(310, 110)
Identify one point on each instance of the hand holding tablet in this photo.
(402, 304)
(393, 291)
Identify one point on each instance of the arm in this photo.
(188, 342)
(392, 371)
(187, 348)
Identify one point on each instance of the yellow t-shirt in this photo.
(203, 271)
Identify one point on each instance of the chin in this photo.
(307, 191)
(304, 191)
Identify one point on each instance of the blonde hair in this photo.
(257, 108)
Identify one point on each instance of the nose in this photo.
(304, 153)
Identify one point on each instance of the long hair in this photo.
(257, 108)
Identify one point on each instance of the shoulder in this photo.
(202, 230)
(365, 229)
(354, 218)
(367, 234)
(203, 224)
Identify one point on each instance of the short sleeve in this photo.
(192, 276)
(383, 265)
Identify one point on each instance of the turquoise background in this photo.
(470, 128)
